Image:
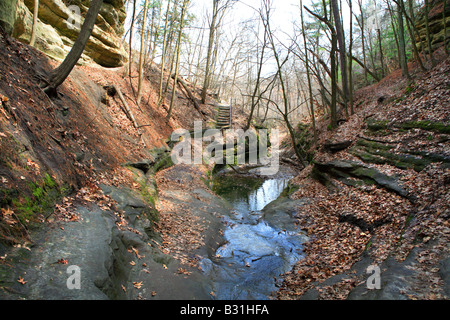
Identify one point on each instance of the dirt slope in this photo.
(81, 137)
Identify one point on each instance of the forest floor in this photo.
(401, 130)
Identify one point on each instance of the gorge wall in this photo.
(438, 22)
(59, 25)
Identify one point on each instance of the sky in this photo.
(284, 12)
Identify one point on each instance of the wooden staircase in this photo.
(224, 117)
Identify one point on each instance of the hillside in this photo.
(378, 194)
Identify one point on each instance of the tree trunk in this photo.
(163, 58)
(258, 81)
(177, 63)
(411, 25)
(383, 72)
(445, 26)
(427, 27)
(60, 74)
(342, 53)
(141, 55)
(35, 18)
(130, 63)
(402, 42)
(363, 39)
(350, 62)
(212, 32)
(308, 75)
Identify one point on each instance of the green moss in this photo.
(40, 201)
(427, 125)
(289, 190)
(305, 140)
(439, 127)
(409, 89)
(163, 163)
(242, 185)
(377, 125)
(380, 156)
(374, 145)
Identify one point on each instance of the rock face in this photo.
(7, 15)
(436, 25)
(59, 25)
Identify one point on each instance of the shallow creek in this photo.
(255, 253)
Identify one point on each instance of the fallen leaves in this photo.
(21, 281)
(8, 216)
(136, 252)
(137, 285)
(336, 244)
(183, 271)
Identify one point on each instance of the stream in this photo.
(255, 253)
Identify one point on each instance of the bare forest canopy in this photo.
(289, 60)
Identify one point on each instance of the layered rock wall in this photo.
(436, 25)
(59, 25)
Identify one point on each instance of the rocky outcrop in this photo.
(59, 25)
(436, 25)
(7, 10)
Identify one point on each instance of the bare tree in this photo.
(401, 40)
(265, 16)
(141, 55)
(218, 12)
(60, 74)
(342, 52)
(255, 101)
(308, 74)
(177, 63)
(427, 28)
(334, 41)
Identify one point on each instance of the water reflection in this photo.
(255, 253)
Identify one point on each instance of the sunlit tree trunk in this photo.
(141, 55)
(35, 18)
(60, 74)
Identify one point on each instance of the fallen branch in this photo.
(190, 95)
(292, 162)
(128, 112)
(365, 68)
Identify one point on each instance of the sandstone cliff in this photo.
(436, 25)
(58, 28)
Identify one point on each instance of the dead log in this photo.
(334, 147)
(190, 95)
(129, 114)
(365, 68)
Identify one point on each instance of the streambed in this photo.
(256, 251)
